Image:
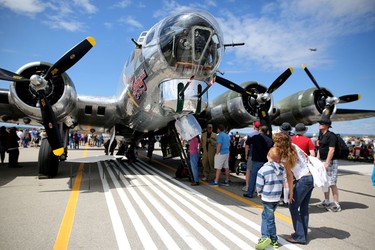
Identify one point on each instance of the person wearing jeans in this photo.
(299, 208)
(294, 160)
(194, 158)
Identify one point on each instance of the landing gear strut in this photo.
(171, 146)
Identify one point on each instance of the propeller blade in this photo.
(10, 76)
(265, 119)
(70, 57)
(349, 98)
(50, 125)
(231, 85)
(311, 76)
(280, 80)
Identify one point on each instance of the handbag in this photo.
(318, 171)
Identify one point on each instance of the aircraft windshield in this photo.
(192, 44)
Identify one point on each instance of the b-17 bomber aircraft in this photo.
(164, 86)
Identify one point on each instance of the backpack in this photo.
(341, 149)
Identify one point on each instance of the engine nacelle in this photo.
(236, 110)
(60, 92)
(302, 107)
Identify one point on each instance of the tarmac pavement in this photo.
(33, 211)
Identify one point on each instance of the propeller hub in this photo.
(263, 98)
(38, 82)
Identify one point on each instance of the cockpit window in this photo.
(191, 43)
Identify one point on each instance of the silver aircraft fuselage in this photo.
(181, 52)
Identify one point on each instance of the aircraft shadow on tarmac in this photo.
(8, 174)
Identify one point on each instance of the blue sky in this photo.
(277, 34)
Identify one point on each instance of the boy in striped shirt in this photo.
(269, 187)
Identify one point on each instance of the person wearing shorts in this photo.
(221, 156)
(326, 153)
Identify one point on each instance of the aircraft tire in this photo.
(48, 163)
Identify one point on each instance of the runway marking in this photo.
(184, 215)
(176, 225)
(237, 228)
(237, 197)
(207, 222)
(154, 221)
(65, 230)
(147, 241)
(118, 227)
(172, 191)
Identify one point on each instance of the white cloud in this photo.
(129, 20)
(282, 35)
(26, 7)
(122, 4)
(108, 25)
(59, 13)
(86, 5)
(60, 23)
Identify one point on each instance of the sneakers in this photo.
(275, 244)
(324, 204)
(213, 184)
(204, 179)
(244, 189)
(195, 183)
(334, 207)
(225, 183)
(263, 243)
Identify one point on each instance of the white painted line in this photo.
(184, 215)
(224, 209)
(140, 228)
(155, 223)
(175, 224)
(184, 196)
(118, 228)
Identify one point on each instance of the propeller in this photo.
(329, 101)
(260, 98)
(39, 84)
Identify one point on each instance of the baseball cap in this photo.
(325, 121)
(256, 124)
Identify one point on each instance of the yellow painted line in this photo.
(66, 226)
(234, 196)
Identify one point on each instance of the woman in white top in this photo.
(296, 168)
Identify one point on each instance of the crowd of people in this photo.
(276, 170)
(12, 138)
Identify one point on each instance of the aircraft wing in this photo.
(352, 114)
(9, 113)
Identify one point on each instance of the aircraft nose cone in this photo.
(192, 43)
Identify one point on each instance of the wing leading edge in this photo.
(352, 114)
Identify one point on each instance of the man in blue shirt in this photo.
(261, 143)
(221, 156)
